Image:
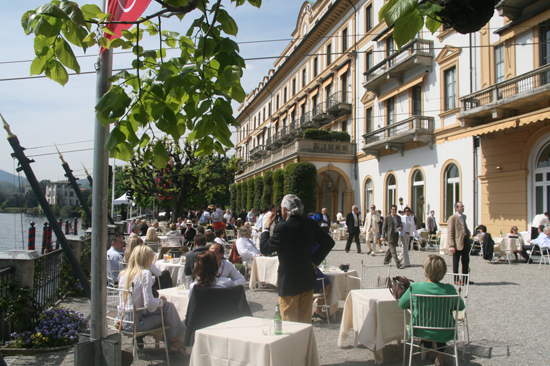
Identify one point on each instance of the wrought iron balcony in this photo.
(257, 152)
(416, 52)
(339, 102)
(306, 121)
(319, 114)
(504, 99)
(394, 136)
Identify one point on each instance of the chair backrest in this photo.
(425, 234)
(434, 312)
(204, 308)
(116, 300)
(229, 234)
(122, 266)
(175, 252)
(375, 276)
(459, 281)
(154, 245)
(234, 256)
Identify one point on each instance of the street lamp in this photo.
(329, 181)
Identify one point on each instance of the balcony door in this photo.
(542, 181)
(545, 51)
(417, 191)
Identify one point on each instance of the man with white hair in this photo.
(294, 239)
(352, 222)
(245, 246)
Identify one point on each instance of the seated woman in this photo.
(515, 235)
(174, 237)
(205, 272)
(151, 236)
(140, 281)
(210, 237)
(245, 247)
(434, 270)
(220, 237)
(165, 280)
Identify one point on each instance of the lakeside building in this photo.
(61, 193)
(450, 117)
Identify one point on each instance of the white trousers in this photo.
(404, 255)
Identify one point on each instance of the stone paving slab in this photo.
(507, 312)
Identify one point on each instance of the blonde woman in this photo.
(151, 235)
(133, 242)
(139, 279)
(164, 276)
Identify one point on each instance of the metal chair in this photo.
(542, 257)
(118, 299)
(323, 295)
(435, 239)
(429, 312)
(462, 284)
(175, 252)
(230, 234)
(374, 276)
(153, 245)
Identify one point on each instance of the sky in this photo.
(43, 113)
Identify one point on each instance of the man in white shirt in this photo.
(371, 229)
(245, 246)
(227, 217)
(115, 255)
(538, 220)
(250, 216)
(325, 226)
(226, 269)
(541, 243)
(259, 222)
(205, 217)
(405, 235)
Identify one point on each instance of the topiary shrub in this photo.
(267, 196)
(300, 179)
(258, 192)
(244, 194)
(278, 186)
(317, 134)
(233, 196)
(340, 136)
(250, 193)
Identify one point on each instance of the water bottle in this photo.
(278, 320)
(324, 264)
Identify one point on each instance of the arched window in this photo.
(369, 194)
(542, 181)
(452, 189)
(417, 191)
(391, 192)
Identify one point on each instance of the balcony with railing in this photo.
(394, 136)
(339, 102)
(319, 114)
(306, 121)
(300, 147)
(257, 152)
(505, 99)
(416, 52)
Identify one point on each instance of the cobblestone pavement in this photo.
(507, 312)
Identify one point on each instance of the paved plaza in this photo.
(507, 312)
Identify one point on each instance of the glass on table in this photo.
(266, 326)
(165, 257)
(180, 285)
(188, 280)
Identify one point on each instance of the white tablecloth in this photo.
(180, 300)
(241, 342)
(443, 246)
(175, 269)
(376, 318)
(339, 290)
(264, 269)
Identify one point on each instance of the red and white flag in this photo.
(126, 11)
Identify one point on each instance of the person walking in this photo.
(409, 229)
(325, 226)
(371, 229)
(458, 236)
(390, 232)
(352, 222)
(294, 239)
(432, 225)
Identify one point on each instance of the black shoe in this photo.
(359, 252)
(139, 341)
(319, 316)
(347, 251)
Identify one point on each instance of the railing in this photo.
(520, 84)
(257, 150)
(416, 47)
(292, 125)
(318, 109)
(284, 131)
(305, 119)
(47, 273)
(5, 327)
(409, 124)
(338, 98)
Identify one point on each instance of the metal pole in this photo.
(113, 190)
(99, 209)
(76, 188)
(24, 164)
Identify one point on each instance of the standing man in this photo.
(115, 255)
(538, 220)
(325, 226)
(352, 222)
(458, 236)
(250, 216)
(217, 218)
(293, 240)
(409, 229)
(204, 218)
(432, 225)
(371, 229)
(390, 232)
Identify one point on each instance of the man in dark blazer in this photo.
(188, 232)
(293, 240)
(390, 232)
(325, 226)
(352, 222)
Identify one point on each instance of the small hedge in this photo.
(258, 192)
(340, 136)
(326, 135)
(250, 194)
(267, 196)
(244, 194)
(233, 196)
(278, 186)
(300, 179)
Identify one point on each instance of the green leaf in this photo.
(227, 23)
(27, 21)
(164, 74)
(108, 31)
(74, 35)
(117, 42)
(123, 151)
(56, 72)
(400, 9)
(104, 42)
(256, 3)
(160, 158)
(186, 43)
(432, 24)
(74, 13)
(65, 54)
(40, 42)
(429, 9)
(228, 46)
(171, 42)
(406, 28)
(128, 35)
(204, 106)
(47, 26)
(144, 140)
(52, 10)
(230, 75)
(39, 63)
(116, 136)
(91, 11)
(128, 130)
(237, 93)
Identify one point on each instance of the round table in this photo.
(175, 269)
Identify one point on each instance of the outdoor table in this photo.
(375, 317)
(507, 246)
(241, 342)
(264, 269)
(175, 269)
(180, 300)
(339, 289)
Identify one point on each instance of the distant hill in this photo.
(8, 177)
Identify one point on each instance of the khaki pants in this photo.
(371, 235)
(297, 308)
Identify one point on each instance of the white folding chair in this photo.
(462, 284)
(119, 299)
(543, 259)
(323, 295)
(374, 276)
(110, 280)
(429, 312)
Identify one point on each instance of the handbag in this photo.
(399, 285)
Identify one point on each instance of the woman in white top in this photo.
(245, 246)
(227, 217)
(205, 272)
(139, 279)
(220, 237)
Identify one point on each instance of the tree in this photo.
(30, 199)
(233, 190)
(250, 193)
(300, 179)
(244, 194)
(408, 16)
(190, 93)
(258, 192)
(238, 206)
(187, 181)
(268, 189)
(278, 186)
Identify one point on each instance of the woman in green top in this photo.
(435, 269)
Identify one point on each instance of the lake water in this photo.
(10, 231)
